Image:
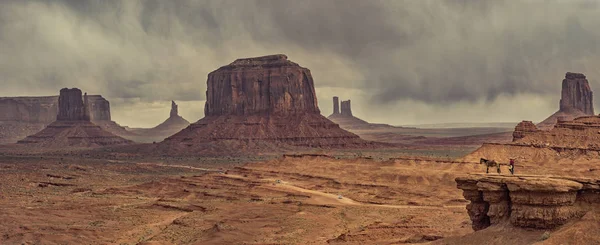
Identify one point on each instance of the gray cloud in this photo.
(397, 53)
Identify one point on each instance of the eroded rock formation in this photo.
(23, 116)
(349, 122)
(527, 201)
(263, 100)
(336, 105)
(172, 125)
(576, 94)
(576, 100)
(567, 139)
(73, 126)
(524, 128)
(263, 85)
(346, 108)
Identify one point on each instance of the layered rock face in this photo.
(527, 201)
(576, 94)
(263, 85)
(263, 99)
(73, 126)
(29, 109)
(70, 106)
(567, 139)
(576, 100)
(524, 128)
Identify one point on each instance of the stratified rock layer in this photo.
(527, 201)
(568, 139)
(72, 127)
(576, 100)
(262, 99)
(260, 86)
(524, 128)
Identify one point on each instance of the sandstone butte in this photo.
(23, 116)
(266, 101)
(576, 100)
(73, 126)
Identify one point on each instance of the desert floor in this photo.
(286, 200)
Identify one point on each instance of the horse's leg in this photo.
(487, 168)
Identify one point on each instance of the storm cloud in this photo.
(424, 61)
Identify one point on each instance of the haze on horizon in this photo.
(400, 62)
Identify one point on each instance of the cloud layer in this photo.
(401, 62)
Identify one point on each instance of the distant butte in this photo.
(576, 100)
(23, 116)
(172, 125)
(348, 121)
(73, 127)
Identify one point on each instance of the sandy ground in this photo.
(307, 200)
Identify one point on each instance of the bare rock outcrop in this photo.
(524, 128)
(348, 121)
(73, 127)
(172, 125)
(576, 94)
(71, 106)
(527, 201)
(99, 108)
(336, 105)
(346, 108)
(260, 86)
(262, 101)
(576, 100)
(566, 140)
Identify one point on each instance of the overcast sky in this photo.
(400, 62)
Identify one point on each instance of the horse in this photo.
(489, 163)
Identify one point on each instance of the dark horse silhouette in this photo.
(489, 163)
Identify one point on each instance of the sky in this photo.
(400, 62)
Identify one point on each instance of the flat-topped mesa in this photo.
(576, 94)
(71, 106)
(346, 108)
(336, 105)
(174, 110)
(263, 85)
(524, 128)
